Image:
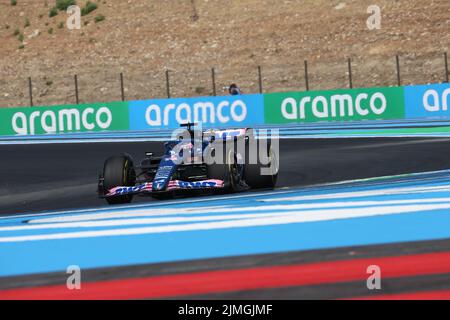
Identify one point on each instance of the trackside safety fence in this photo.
(131, 85)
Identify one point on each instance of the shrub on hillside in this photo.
(13, 2)
(64, 4)
(90, 6)
(53, 12)
(99, 18)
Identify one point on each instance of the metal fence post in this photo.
(167, 84)
(306, 76)
(195, 15)
(76, 89)
(350, 80)
(260, 80)
(213, 78)
(122, 91)
(398, 70)
(446, 67)
(30, 90)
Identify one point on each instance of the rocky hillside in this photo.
(143, 38)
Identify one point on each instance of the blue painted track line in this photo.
(402, 208)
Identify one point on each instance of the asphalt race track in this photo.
(313, 260)
(64, 176)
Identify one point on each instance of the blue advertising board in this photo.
(242, 110)
(427, 101)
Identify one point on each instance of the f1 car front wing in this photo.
(146, 188)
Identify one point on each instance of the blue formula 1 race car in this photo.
(217, 161)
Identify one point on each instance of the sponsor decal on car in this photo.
(229, 134)
(163, 172)
(199, 184)
(118, 191)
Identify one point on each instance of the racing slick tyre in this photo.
(118, 171)
(252, 172)
(230, 172)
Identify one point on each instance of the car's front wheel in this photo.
(118, 171)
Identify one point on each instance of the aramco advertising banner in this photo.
(397, 103)
(336, 105)
(63, 119)
(240, 111)
(427, 101)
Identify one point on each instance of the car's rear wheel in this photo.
(230, 171)
(118, 171)
(258, 175)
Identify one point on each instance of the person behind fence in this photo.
(234, 90)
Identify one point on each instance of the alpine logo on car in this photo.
(159, 184)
